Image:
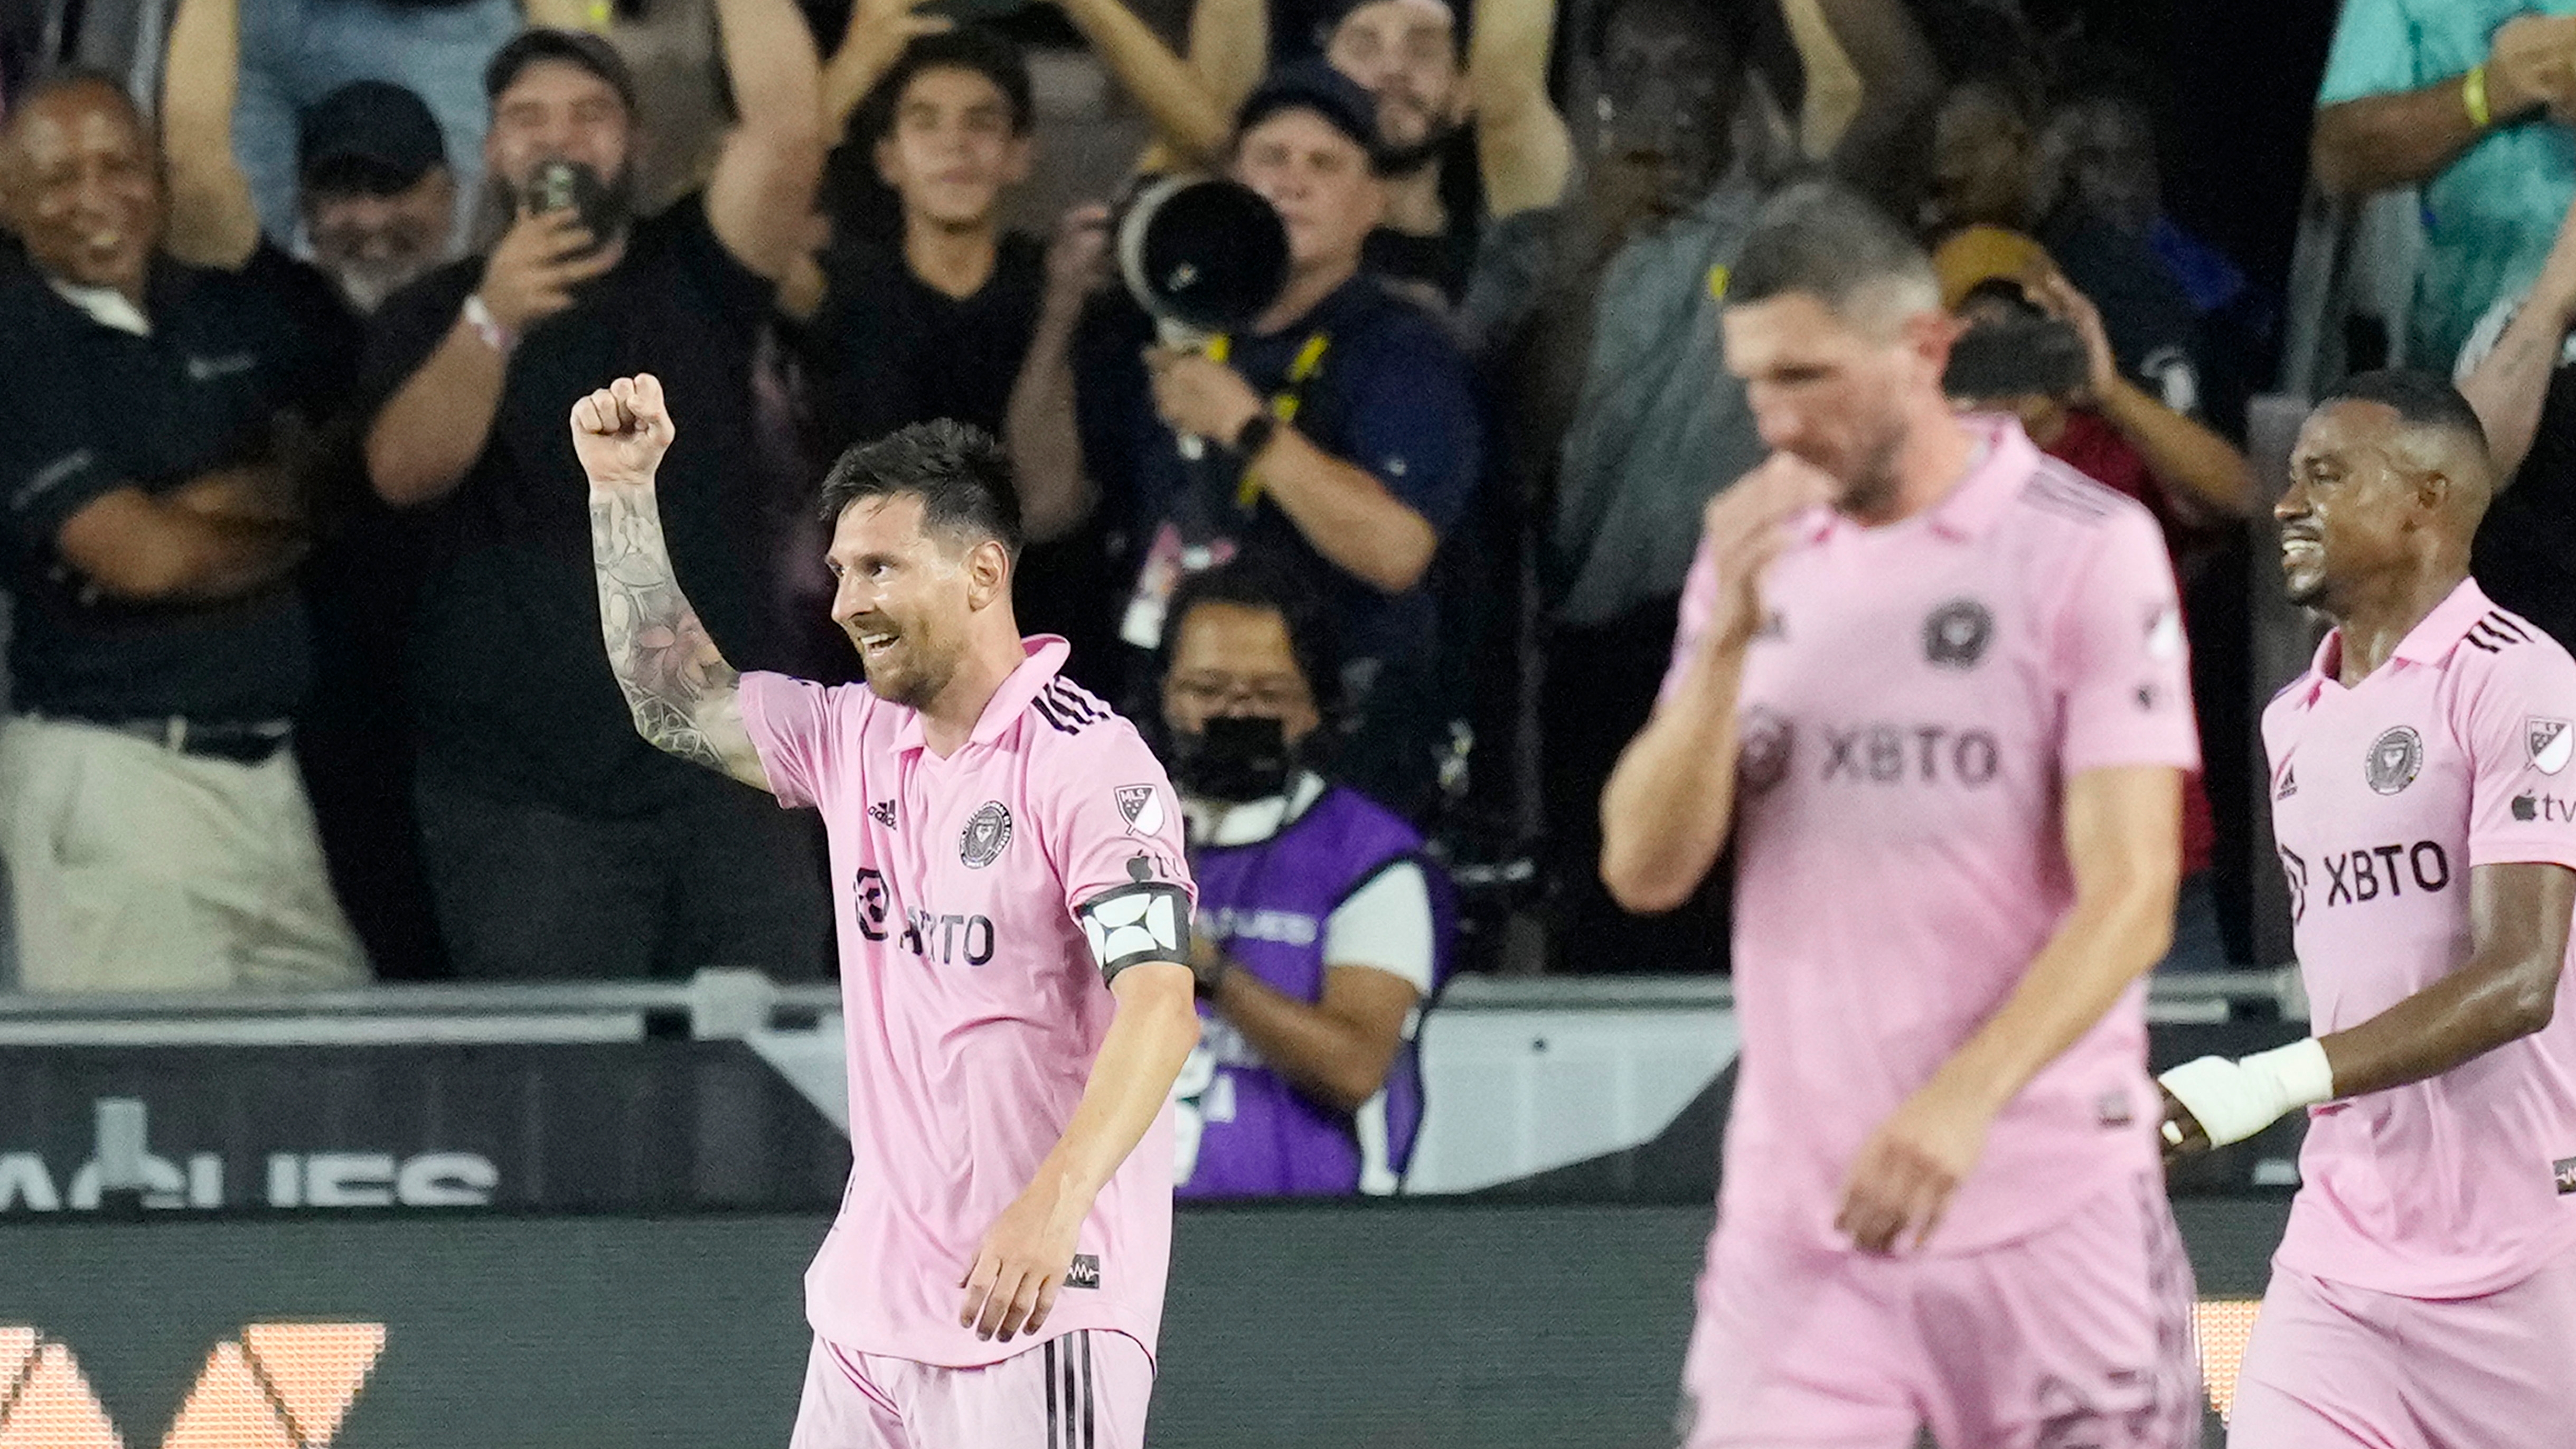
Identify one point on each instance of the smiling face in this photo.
(84, 187)
(373, 244)
(1983, 161)
(1405, 53)
(952, 150)
(904, 594)
(2353, 500)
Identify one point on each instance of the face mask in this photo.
(1235, 760)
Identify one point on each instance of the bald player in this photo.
(1013, 941)
(1932, 684)
(2425, 1291)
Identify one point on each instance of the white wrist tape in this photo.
(2233, 1100)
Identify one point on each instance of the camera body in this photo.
(2018, 357)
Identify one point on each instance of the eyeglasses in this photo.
(1271, 694)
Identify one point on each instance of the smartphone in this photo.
(2017, 358)
(571, 186)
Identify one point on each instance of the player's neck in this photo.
(2377, 619)
(949, 720)
(953, 260)
(1413, 202)
(1933, 459)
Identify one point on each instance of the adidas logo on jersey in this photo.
(2289, 785)
(882, 813)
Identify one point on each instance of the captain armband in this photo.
(1149, 921)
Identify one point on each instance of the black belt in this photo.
(243, 744)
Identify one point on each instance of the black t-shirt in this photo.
(88, 409)
(1442, 260)
(887, 349)
(2526, 549)
(510, 680)
(2154, 330)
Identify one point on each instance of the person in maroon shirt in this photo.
(2194, 481)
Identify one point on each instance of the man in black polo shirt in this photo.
(154, 829)
(1341, 435)
(558, 843)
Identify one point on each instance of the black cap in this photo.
(1311, 85)
(573, 47)
(368, 135)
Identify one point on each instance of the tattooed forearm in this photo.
(684, 697)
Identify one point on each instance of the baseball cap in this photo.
(573, 47)
(1979, 254)
(368, 135)
(1312, 85)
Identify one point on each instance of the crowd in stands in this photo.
(306, 666)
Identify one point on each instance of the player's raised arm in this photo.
(686, 700)
(1668, 806)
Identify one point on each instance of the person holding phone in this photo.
(558, 843)
(1323, 928)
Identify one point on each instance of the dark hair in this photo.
(2420, 399)
(1333, 12)
(959, 473)
(1828, 241)
(985, 51)
(1251, 581)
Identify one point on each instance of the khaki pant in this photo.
(137, 868)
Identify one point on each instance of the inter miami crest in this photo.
(2548, 742)
(2396, 757)
(1141, 806)
(1763, 760)
(1957, 633)
(987, 831)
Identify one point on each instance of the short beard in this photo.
(1871, 490)
(914, 693)
(366, 287)
(1395, 160)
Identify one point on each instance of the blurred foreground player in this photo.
(2425, 1291)
(1933, 685)
(1017, 922)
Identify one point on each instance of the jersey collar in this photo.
(2429, 642)
(1042, 659)
(2004, 458)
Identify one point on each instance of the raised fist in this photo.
(621, 432)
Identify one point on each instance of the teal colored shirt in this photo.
(2490, 217)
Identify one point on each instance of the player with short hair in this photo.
(1013, 948)
(2425, 1290)
(1933, 685)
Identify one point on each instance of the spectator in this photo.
(155, 833)
(376, 200)
(2519, 371)
(1459, 142)
(297, 52)
(374, 193)
(2189, 477)
(1322, 928)
(558, 842)
(1341, 430)
(2469, 100)
(1986, 175)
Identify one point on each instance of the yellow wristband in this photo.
(599, 16)
(2473, 97)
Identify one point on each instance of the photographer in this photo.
(2035, 349)
(557, 841)
(1340, 428)
(1322, 929)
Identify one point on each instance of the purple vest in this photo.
(1267, 903)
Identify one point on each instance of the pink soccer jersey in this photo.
(2450, 756)
(1916, 700)
(974, 1007)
